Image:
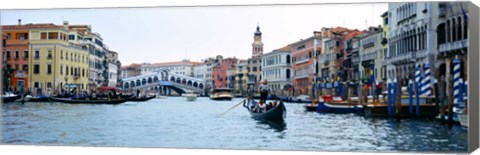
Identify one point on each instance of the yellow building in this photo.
(385, 45)
(54, 61)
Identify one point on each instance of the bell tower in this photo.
(257, 45)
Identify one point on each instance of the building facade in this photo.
(277, 69)
(411, 33)
(16, 56)
(304, 53)
(241, 78)
(371, 55)
(55, 62)
(130, 70)
(184, 67)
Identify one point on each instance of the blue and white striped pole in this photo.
(460, 95)
(426, 84)
(456, 81)
(465, 85)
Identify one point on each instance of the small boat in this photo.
(380, 109)
(143, 98)
(275, 113)
(37, 98)
(221, 94)
(161, 96)
(338, 105)
(91, 101)
(190, 96)
(10, 97)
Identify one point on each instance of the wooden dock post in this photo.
(450, 101)
(398, 97)
(442, 97)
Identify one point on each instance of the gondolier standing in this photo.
(264, 91)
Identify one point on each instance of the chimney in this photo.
(19, 21)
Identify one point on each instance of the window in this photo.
(8, 55)
(71, 71)
(71, 37)
(83, 72)
(9, 36)
(36, 68)
(61, 69)
(16, 67)
(37, 54)
(66, 55)
(49, 56)
(25, 67)
(43, 35)
(52, 35)
(49, 85)
(17, 55)
(25, 54)
(49, 68)
(35, 84)
(66, 70)
(61, 54)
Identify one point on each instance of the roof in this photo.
(171, 63)
(30, 26)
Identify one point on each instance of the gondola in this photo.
(141, 99)
(9, 97)
(90, 101)
(276, 113)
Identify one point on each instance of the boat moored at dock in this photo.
(221, 94)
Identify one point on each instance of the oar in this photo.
(233, 107)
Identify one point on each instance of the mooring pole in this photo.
(398, 89)
(410, 95)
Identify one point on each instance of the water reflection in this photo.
(277, 126)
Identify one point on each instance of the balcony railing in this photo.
(446, 47)
(302, 61)
(301, 76)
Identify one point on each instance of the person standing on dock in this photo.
(264, 91)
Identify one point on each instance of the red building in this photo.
(222, 78)
(16, 55)
(304, 63)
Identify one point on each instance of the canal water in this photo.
(176, 123)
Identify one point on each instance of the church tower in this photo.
(257, 45)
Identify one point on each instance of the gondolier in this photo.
(264, 91)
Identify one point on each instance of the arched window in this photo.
(459, 29)
(453, 29)
(465, 30)
(448, 31)
(288, 59)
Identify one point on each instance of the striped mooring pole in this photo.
(426, 83)
(394, 98)
(456, 81)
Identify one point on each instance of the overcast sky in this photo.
(175, 33)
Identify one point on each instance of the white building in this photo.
(204, 70)
(411, 37)
(277, 68)
(113, 68)
(184, 67)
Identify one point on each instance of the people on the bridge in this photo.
(138, 92)
(264, 91)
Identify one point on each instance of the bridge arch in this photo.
(132, 83)
(149, 80)
(189, 83)
(195, 84)
(172, 79)
(138, 83)
(178, 80)
(144, 81)
(126, 85)
(155, 79)
(200, 86)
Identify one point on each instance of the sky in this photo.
(165, 34)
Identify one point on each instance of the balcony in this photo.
(403, 58)
(301, 76)
(446, 47)
(302, 61)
